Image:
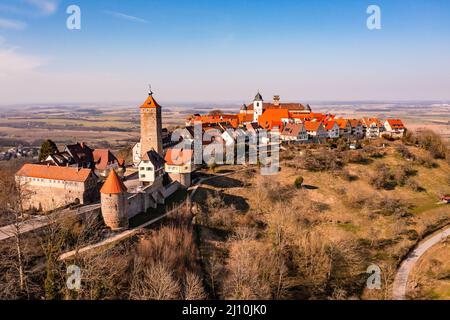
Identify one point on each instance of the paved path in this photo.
(401, 278)
(38, 222)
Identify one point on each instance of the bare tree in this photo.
(153, 282)
(13, 195)
(193, 287)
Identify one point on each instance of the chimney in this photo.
(276, 100)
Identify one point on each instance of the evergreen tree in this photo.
(48, 147)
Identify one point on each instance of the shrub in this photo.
(322, 160)
(431, 141)
(402, 174)
(426, 161)
(404, 152)
(298, 182)
(387, 205)
(414, 185)
(357, 157)
(382, 179)
(346, 175)
(388, 137)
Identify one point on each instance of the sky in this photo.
(223, 51)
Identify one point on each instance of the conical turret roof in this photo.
(113, 184)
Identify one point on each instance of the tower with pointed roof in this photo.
(257, 107)
(113, 197)
(151, 126)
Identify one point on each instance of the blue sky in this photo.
(223, 50)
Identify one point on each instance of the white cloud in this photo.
(13, 63)
(12, 24)
(45, 7)
(124, 16)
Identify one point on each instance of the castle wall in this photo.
(149, 198)
(183, 178)
(47, 198)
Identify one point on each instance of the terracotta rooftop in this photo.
(113, 184)
(178, 156)
(329, 124)
(396, 123)
(311, 125)
(54, 172)
(369, 121)
(103, 158)
(354, 122)
(150, 103)
(292, 129)
(290, 106)
(342, 123)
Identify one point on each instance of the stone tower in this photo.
(151, 126)
(257, 107)
(114, 202)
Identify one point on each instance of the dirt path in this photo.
(401, 278)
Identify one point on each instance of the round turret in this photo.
(114, 202)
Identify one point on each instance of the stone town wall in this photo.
(149, 198)
(49, 198)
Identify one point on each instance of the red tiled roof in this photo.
(292, 129)
(150, 103)
(178, 156)
(54, 172)
(102, 158)
(354, 122)
(312, 125)
(113, 184)
(272, 118)
(342, 123)
(329, 124)
(369, 121)
(396, 123)
(288, 106)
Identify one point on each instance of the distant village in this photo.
(296, 122)
(79, 175)
(19, 152)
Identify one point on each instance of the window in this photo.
(142, 168)
(149, 169)
(142, 175)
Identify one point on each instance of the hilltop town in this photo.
(358, 189)
(72, 176)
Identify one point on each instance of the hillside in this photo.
(317, 241)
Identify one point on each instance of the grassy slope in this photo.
(341, 221)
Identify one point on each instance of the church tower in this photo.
(151, 126)
(257, 107)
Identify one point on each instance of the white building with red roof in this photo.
(394, 127)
